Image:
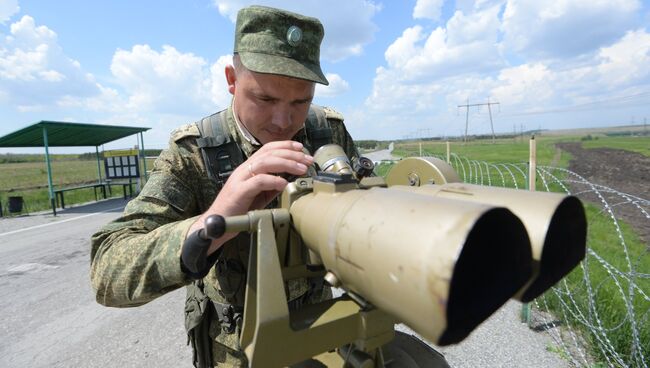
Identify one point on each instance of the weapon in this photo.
(419, 248)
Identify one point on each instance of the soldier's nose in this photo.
(281, 120)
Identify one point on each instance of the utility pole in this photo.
(491, 125)
(488, 104)
(645, 127)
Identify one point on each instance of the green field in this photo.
(636, 144)
(29, 180)
(503, 150)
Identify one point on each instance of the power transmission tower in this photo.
(489, 105)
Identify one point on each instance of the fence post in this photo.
(448, 153)
(532, 164)
(530, 185)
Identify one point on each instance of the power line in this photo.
(488, 104)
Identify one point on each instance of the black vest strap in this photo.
(221, 154)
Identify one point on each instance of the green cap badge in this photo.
(294, 35)
(276, 41)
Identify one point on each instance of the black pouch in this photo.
(198, 311)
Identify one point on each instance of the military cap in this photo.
(276, 41)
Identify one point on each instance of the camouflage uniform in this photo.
(136, 258)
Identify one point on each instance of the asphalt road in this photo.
(49, 318)
(381, 155)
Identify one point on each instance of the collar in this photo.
(247, 142)
(245, 134)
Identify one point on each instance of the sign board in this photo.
(121, 164)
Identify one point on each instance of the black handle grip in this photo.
(194, 255)
(214, 226)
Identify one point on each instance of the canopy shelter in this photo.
(63, 134)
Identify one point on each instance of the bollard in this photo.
(15, 204)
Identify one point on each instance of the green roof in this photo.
(63, 134)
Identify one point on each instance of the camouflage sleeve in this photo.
(136, 258)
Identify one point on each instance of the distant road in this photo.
(382, 155)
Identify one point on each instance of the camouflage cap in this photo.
(276, 41)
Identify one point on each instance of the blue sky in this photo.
(397, 68)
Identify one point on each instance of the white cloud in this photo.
(628, 60)
(34, 70)
(525, 85)
(467, 44)
(220, 95)
(167, 81)
(7, 9)
(427, 74)
(337, 86)
(348, 23)
(565, 28)
(147, 86)
(428, 9)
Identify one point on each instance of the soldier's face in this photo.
(271, 107)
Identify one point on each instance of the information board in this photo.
(121, 164)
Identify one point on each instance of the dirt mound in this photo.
(624, 171)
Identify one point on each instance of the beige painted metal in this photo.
(400, 251)
(332, 158)
(268, 327)
(416, 171)
(424, 256)
(555, 223)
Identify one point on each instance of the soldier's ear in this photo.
(231, 78)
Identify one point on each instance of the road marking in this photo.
(59, 222)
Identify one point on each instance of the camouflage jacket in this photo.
(136, 258)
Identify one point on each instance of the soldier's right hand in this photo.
(255, 182)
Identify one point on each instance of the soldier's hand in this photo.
(254, 183)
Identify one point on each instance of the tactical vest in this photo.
(221, 156)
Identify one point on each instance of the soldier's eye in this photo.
(267, 99)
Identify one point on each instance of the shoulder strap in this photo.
(318, 128)
(221, 154)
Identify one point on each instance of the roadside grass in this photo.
(29, 180)
(609, 303)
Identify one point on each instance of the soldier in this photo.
(226, 164)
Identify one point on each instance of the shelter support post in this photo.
(144, 158)
(99, 169)
(49, 172)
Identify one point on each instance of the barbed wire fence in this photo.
(600, 314)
